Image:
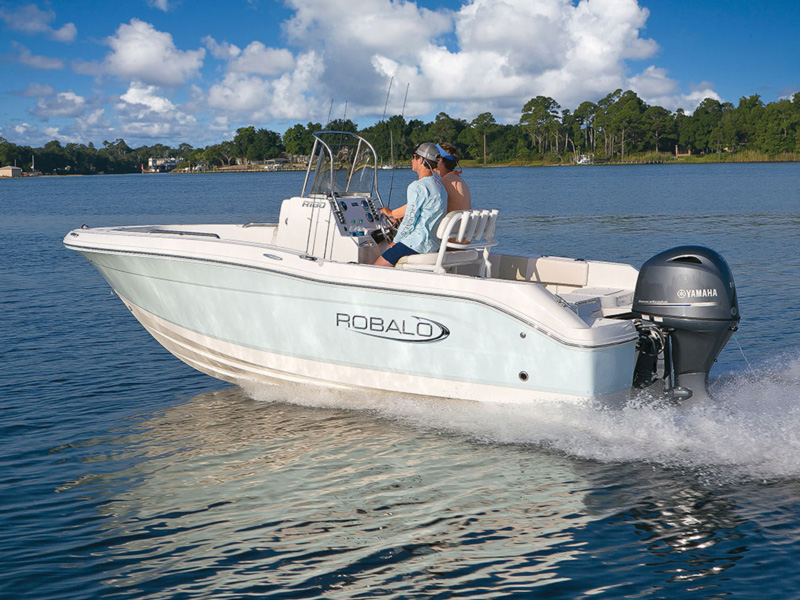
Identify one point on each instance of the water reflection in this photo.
(687, 531)
(239, 496)
(244, 495)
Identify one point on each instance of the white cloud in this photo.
(529, 34)
(25, 57)
(30, 19)
(94, 119)
(696, 95)
(653, 83)
(654, 87)
(67, 33)
(140, 52)
(146, 97)
(523, 49)
(347, 40)
(222, 128)
(35, 90)
(22, 129)
(160, 4)
(223, 51)
(143, 112)
(64, 104)
(27, 134)
(293, 95)
(378, 24)
(51, 132)
(92, 126)
(239, 93)
(258, 59)
(496, 55)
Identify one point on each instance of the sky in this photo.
(194, 71)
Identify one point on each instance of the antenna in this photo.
(385, 104)
(403, 117)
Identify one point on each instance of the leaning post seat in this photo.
(466, 237)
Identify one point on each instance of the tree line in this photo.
(616, 128)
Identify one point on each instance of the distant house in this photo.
(10, 172)
(160, 165)
(275, 164)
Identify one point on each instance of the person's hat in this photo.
(428, 151)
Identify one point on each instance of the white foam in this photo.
(750, 431)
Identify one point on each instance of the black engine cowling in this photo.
(688, 294)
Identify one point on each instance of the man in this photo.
(458, 195)
(426, 206)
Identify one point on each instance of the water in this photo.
(128, 475)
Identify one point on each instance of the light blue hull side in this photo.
(389, 333)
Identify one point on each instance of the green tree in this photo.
(386, 136)
(658, 123)
(227, 151)
(245, 137)
(508, 143)
(300, 139)
(212, 155)
(626, 119)
(444, 129)
(705, 120)
(571, 130)
(117, 157)
(540, 117)
(777, 127)
(723, 134)
(483, 125)
(267, 144)
(195, 157)
(604, 120)
(185, 151)
(342, 125)
(585, 118)
(748, 117)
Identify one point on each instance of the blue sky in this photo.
(173, 71)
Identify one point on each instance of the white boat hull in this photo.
(258, 313)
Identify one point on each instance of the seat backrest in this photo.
(466, 236)
(468, 227)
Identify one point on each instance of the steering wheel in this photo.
(388, 224)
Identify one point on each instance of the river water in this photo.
(128, 475)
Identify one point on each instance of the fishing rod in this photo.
(385, 104)
(402, 118)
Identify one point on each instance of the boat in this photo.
(300, 301)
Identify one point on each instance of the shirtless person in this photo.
(458, 196)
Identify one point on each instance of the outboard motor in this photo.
(686, 300)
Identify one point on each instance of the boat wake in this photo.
(751, 431)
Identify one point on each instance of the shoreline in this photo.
(471, 164)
